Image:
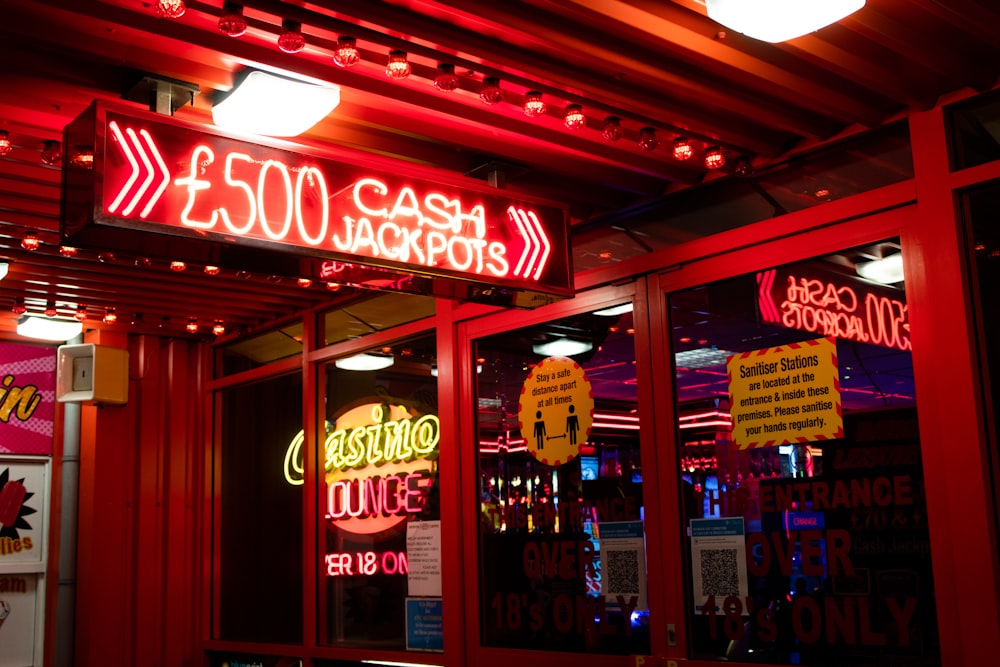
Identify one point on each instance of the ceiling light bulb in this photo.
(714, 158)
(5, 145)
(446, 80)
(365, 362)
(51, 152)
(647, 139)
(574, 118)
(110, 316)
(192, 325)
(887, 270)
(305, 282)
(169, 9)
(779, 20)
(333, 287)
(218, 328)
(683, 149)
(232, 22)
(177, 266)
(43, 328)
(18, 308)
(276, 106)
(30, 241)
(291, 40)
(68, 251)
(398, 66)
(50, 309)
(212, 270)
(82, 156)
(491, 93)
(81, 312)
(347, 54)
(613, 128)
(534, 106)
(562, 347)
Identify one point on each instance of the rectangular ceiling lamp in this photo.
(274, 106)
(779, 20)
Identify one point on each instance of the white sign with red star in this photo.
(556, 410)
(22, 512)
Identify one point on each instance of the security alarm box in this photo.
(94, 374)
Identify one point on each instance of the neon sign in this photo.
(380, 466)
(833, 308)
(164, 175)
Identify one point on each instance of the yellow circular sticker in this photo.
(556, 410)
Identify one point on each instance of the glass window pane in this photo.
(252, 352)
(260, 514)
(800, 460)
(379, 500)
(374, 312)
(562, 555)
(975, 131)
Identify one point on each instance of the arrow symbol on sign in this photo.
(535, 242)
(139, 147)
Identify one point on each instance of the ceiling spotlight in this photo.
(30, 241)
(562, 347)
(647, 139)
(110, 315)
(51, 152)
(347, 54)
(5, 145)
(491, 93)
(365, 362)
(612, 128)
(81, 312)
(18, 308)
(53, 329)
(67, 251)
(169, 9)
(398, 66)
(683, 149)
(446, 80)
(177, 266)
(534, 105)
(276, 106)
(211, 270)
(305, 282)
(232, 22)
(291, 40)
(714, 158)
(334, 287)
(779, 20)
(218, 328)
(573, 118)
(50, 309)
(82, 156)
(192, 325)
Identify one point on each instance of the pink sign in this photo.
(27, 399)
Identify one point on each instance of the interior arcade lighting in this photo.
(5, 146)
(779, 20)
(398, 67)
(573, 117)
(110, 315)
(446, 80)
(346, 53)
(714, 158)
(276, 106)
(612, 128)
(192, 325)
(366, 361)
(48, 328)
(683, 149)
(291, 40)
(51, 152)
(169, 9)
(232, 22)
(30, 241)
(534, 105)
(647, 139)
(562, 347)
(491, 93)
(887, 270)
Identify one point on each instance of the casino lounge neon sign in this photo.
(154, 175)
(830, 308)
(380, 465)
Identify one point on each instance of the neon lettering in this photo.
(367, 563)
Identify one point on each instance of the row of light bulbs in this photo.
(110, 315)
(233, 23)
(51, 153)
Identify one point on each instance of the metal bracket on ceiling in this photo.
(163, 95)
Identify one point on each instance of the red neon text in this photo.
(366, 563)
(378, 496)
(832, 310)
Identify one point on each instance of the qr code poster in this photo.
(718, 560)
(623, 564)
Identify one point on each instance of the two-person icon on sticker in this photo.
(572, 426)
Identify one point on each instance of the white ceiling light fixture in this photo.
(620, 309)
(562, 347)
(4, 268)
(888, 270)
(275, 106)
(779, 20)
(365, 361)
(48, 328)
